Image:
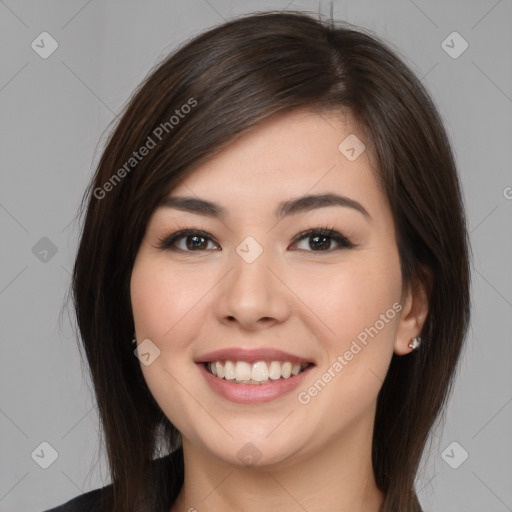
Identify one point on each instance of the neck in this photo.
(338, 477)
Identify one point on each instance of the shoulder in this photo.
(87, 502)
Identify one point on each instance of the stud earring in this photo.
(415, 342)
(134, 342)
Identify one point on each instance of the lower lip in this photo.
(252, 393)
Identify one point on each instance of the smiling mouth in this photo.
(260, 372)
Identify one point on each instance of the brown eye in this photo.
(320, 240)
(194, 240)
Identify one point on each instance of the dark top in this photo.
(165, 487)
(87, 502)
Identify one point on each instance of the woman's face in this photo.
(252, 289)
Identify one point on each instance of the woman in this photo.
(272, 282)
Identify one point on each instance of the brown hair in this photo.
(232, 77)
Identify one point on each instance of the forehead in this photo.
(288, 155)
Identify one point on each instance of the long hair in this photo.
(192, 105)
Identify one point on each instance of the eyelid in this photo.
(166, 242)
(327, 231)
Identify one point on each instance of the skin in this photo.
(294, 296)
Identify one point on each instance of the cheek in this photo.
(163, 300)
(361, 305)
(357, 295)
(162, 303)
(149, 297)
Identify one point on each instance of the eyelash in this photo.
(167, 241)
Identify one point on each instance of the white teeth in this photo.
(243, 371)
(220, 369)
(275, 370)
(286, 370)
(259, 372)
(229, 370)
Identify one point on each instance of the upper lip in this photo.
(250, 355)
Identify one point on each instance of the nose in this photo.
(253, 294)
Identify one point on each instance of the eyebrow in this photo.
(284, 209)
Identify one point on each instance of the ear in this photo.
(412, 317)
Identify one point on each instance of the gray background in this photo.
(54, 117)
